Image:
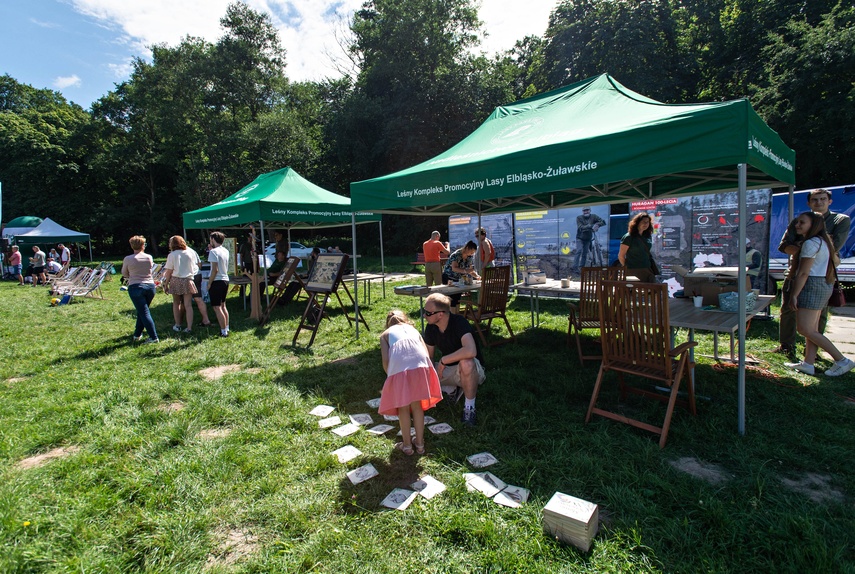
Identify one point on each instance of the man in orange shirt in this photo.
(434, 251)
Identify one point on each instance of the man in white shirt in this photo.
(64, 254)
(218, 281)
(52, 266)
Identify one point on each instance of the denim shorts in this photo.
(15, 269)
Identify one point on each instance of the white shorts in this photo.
(450, 376)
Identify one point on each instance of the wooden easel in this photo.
(324, 280)
(347, 309)
(280, 285)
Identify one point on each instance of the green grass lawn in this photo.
(164, 470)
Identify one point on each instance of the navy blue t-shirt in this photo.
(450, 341)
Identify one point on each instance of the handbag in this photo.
(653, 267)
(838, 298)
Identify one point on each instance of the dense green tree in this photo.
(524, 67)
(44, 154)
(420, 89)
(808, 95)
(636, 41)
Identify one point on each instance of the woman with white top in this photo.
(218, 281)
(181, 267)
(811, 290)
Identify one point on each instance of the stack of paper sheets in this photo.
(571, 520)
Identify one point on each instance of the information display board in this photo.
(499, 227)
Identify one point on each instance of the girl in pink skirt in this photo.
(412, 385)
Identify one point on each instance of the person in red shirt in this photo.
(486, 252)
(15, 264)
(434, 251)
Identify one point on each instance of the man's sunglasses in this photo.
(430, 313)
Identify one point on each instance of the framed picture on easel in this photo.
(326, 273)
(230, 243)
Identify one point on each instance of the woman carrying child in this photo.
(412, 385)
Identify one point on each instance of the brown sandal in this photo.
(407, 450)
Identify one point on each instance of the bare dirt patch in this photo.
(214, 373)
(11, 380)
(233, 546)
(210, 434)
(45, 457)
(346, 361)
(706, 471)
(815, 486)
(172, 407)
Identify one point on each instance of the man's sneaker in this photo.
(840, 367)
(455, 395)
(176, 328)
(138, 338)
(150, 340)
(224, 333)
(805, 368)
(469, 417)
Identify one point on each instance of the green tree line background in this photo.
(202, 119)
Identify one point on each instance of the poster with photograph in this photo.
(326, 272)
(500, 231)
(583, 239)
(671, 220)
(715, 233)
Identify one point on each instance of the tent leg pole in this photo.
(382, 260)
(264, 256)
(743, 216)
(355, 281)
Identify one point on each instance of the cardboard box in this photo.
(710, 281)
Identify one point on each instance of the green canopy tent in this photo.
(593, 142)
(51, 232)
(283, 199)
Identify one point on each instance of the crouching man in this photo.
(461, 365)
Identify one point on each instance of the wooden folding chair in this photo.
(492, 302)
(636, 340)
(280, 285)
(586, 313)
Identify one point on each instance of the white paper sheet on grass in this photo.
(362, 473)
(347, 453)
(330, 422)
(346, 430)
(482, 460)
(399, 499)
(427, 486)
(321, 410)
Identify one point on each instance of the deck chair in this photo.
(636, 340)
(79, 278)
(68, 275)
(157, 273)
(586, 313)
(492, 302)
(92, 289)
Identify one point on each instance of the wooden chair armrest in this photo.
(682, 348)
